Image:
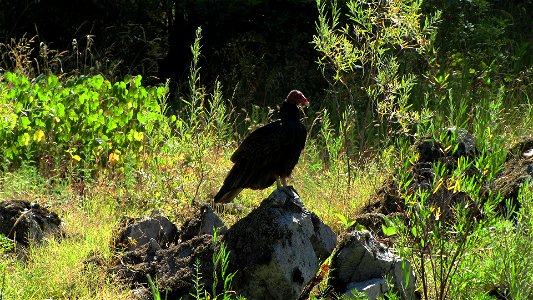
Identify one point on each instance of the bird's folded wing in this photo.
(263, 143)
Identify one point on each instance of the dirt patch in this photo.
(173, 269)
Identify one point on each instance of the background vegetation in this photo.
(121, 109)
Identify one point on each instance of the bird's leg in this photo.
(279, 183)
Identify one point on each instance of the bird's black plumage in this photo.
(269, 153)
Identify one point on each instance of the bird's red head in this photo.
(296, 97)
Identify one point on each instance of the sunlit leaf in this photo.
(38, 135)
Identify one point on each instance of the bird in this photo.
(269, 153)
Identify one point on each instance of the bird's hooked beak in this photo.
(304, 102)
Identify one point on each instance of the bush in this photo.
(81, 120)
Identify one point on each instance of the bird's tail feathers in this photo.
(227, 195)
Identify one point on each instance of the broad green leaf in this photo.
(25, 122)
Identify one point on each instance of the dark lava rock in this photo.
(421, 176)
(202, 223)
(173, 269)
(137, 233)
(517, 170)
(429, 150)
(360, 261)
(27, 222)
(153, 248)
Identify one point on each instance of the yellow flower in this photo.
(113, 158)
(38, 135)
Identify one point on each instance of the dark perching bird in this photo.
(268, 154)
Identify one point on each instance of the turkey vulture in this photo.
(269, 153)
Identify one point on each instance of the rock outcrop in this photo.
(275, 251)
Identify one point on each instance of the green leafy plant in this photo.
(437, 241)
(221, 277)
(6, 244)
(363, 53)
(81, 122)
(154, 288)
(346, 222)
(220, 270)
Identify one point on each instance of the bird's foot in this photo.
(286, 193)
(288, 190)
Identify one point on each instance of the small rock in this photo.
(142, 293)
(140, 232)
(360, 258)
(27, 222)
(279, 196)
(373, 288)
(429, 150)
(202, 223)
(465, 141)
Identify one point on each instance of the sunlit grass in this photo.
(69, 267)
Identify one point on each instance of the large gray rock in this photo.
(27, 222)
(361, 262)
(277, 248)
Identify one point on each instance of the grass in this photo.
(68, 267)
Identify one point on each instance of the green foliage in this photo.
(509, 246)
(6, 244)
(153, 288)
(363, 54)
(221, 277)
(87, 121)
(437, 239)
(220, 270)
(346, 222)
